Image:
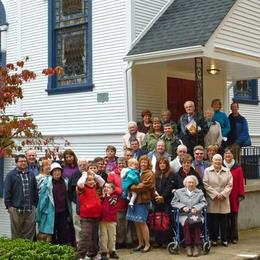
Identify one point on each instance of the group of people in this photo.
(101, 205)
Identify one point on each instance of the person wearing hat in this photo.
(53, 213)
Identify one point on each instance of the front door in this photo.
(179, 91)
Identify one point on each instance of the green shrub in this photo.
(21, 249)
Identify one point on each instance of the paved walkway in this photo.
(247, 248)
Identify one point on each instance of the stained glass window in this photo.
(71, 36)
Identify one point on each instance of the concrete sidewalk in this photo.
(248, 247)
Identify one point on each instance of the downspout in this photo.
(129, 91)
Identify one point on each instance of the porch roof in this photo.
(185, 23)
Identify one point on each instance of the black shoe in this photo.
(225, 243)
(114, 255)
(214, 243)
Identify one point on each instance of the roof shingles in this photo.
(185, 23)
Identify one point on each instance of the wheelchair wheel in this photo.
(173, 248)
(206, 248)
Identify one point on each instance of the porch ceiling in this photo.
(232, 70)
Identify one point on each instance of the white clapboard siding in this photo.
(145, 11)
(4, 217)
(150, 88)
(240, 31)
(252, 114)
(74, 113)
(4, 220)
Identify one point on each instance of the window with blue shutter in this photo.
(70, 45)
(246, 91)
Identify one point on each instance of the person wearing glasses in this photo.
(21, 198)
(199, 164)
(192, 127)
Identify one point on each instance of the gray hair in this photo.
(190, 177)
(217, 156)
(132, 123)
(182, 146)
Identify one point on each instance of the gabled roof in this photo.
(2, 14)
(185, 23)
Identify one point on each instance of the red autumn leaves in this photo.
(12, 76)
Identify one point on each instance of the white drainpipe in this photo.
(129, 91)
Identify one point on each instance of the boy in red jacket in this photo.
(107, 227)
(90, 215)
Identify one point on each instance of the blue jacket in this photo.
(222, 119)
(239, 131)
(132, 177)
(45, 213)
(13, 189)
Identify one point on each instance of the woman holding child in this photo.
(139, 212)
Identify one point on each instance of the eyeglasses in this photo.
(23, 161)
(199, 153)
(182, 151)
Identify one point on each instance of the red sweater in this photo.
(90, 205)
(110, 208)
(238, 187)
(114, 177)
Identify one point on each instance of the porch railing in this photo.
(250, 162)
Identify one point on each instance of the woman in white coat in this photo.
(190, 200)
(218, 182)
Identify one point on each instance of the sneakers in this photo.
(214, 243)
(114, 255)
(225, 243)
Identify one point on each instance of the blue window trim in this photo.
(2, 62)
(251, 98)
(1, 176)
(53, 88)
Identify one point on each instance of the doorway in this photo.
(179, 91)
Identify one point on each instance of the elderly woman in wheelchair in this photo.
(190, 202)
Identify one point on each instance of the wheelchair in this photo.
(174, 246)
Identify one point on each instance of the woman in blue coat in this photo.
(53, 213)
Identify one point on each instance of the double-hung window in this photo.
(70, 45)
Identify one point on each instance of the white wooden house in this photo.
(122, 56)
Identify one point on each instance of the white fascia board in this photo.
(253, 55)
(232, 55)
(167, 55)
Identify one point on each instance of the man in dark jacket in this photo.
(239, 134)
(21, 198)
(192, 127)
